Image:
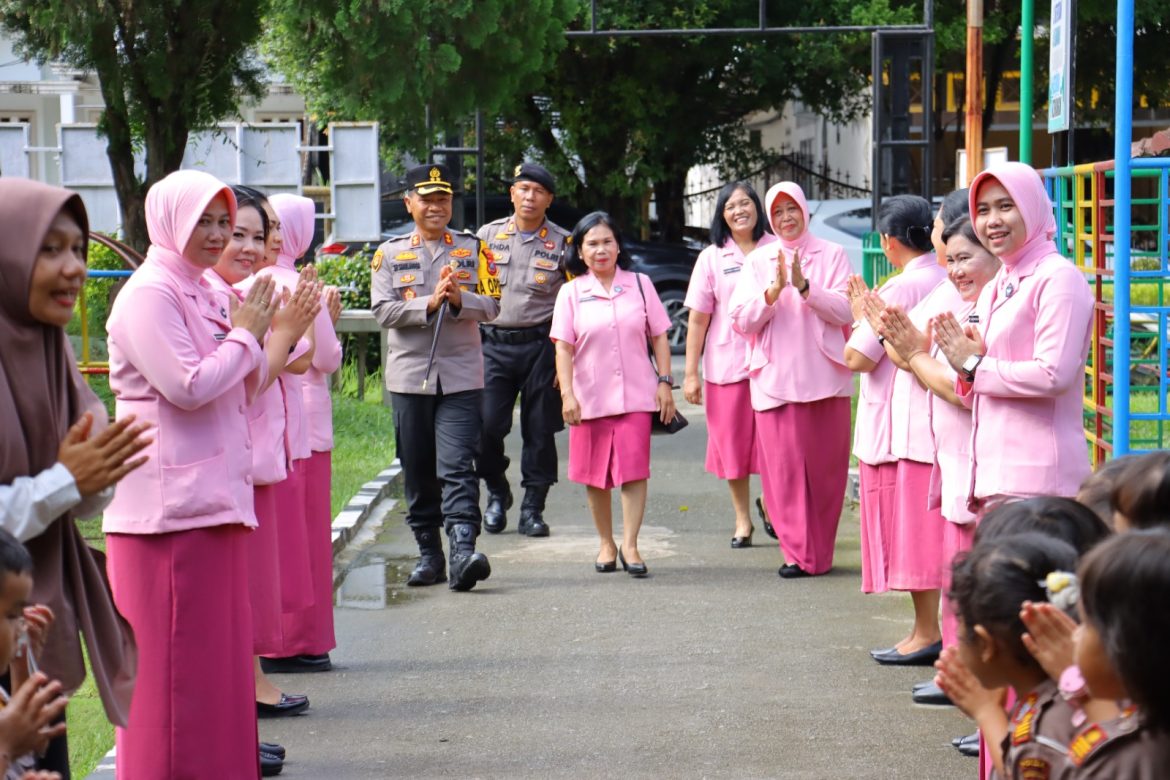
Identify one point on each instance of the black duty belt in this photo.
(516, 335)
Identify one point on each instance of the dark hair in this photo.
(908, 219)
(573, 262)
(1059, 518)
(14, 558)
(1125, 587)
(1096, 492)
(961, 227)
(955, 205)
(1142, 491)
(249, 197)
(720, 230)
(991, 582)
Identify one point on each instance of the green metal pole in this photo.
(1027, 28)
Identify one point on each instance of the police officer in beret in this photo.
(519, 358)
(431, 288)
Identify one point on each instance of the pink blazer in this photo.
(712, 283)
(1027, 399)
(796, 347)
(175, 360)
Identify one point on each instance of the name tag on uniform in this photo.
(220, 336)
(586, 298)
(732, 269)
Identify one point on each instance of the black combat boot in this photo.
(467, 566)
(431, 568)
(532, 511)
(495, 518)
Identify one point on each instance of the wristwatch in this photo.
(667, 378)
(969, 366)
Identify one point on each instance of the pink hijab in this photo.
(173, 208)
(41, 396)
(1026, 189)
(296, 215)
(792, 190)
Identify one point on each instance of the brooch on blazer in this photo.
(1009, 290)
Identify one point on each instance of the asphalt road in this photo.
(711, 667)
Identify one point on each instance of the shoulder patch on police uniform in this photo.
(1085, 743)
(1032, 768)
(376, 263)
(406, 256)
(502, 236)
(1024, 719)
(488, 275)
(459, 254)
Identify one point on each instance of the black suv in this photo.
(668, 265)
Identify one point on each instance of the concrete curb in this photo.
(345, 526)
(354, 515)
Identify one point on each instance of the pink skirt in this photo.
(876, 489)
(296, 587)
(264, 573)
(916, 535)
(804, 460)
(309, 631)
(957, 538)
(194, 709)
(731, 430)
(607, 452)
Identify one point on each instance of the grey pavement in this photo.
(711, 667)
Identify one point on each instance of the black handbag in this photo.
(678, 422)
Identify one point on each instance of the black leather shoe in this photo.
(932, 695)
(763, 513)
(924, 657)
(790, 571)
(605, 568)
(270, 764)
(273, 749)
(884, 651)
(919, 686)
(739, 542)
(638, 570)
(532, 512)
(295, 664)
(467, 566)
(430, 570)
(288, 705)
(956, 741)
(969, 746)
(495, 518)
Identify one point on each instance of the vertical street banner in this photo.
(1059, 67)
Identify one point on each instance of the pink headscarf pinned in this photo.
(297, 215)
(792, 190)
(173, 208)
(1026, 189)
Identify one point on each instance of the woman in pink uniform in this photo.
(736, 229)
(189, 360)
(900, 537)
(791, 303)
(309, 632)
(601, 323)
(1021, 368)
(267, 423)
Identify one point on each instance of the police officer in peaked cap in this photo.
(431, 288)
(519, 358)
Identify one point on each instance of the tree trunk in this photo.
(668, 200)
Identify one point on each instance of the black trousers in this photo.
(527, 370)
(437, 437)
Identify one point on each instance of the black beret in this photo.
(537, 173)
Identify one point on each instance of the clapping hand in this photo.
(963, 688)
(1049, 637)
(855, 290)
(957, 343)
(798, 278)
(447, 289)
(899, 332)
(301, 307)
(332, 303)
(25, 720)
(772, 294)
(100, 461)
(260, 304)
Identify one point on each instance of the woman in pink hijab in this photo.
(791, 303)
(1022, 368)
(189, 360)
(308, 632)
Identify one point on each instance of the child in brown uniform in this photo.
(1121, 650)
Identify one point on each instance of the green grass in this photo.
(364, 445)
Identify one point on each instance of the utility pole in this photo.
(974, 83)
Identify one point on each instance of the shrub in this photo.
(350, 275)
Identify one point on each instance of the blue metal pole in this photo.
(1123, 138)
